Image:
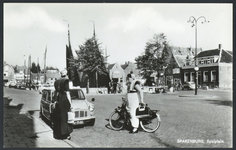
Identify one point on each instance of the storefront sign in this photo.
(176, 71)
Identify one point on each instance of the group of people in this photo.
(114, 87)
(62, 105)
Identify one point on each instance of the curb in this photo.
(71, 144)
(68, 142)
(199, 96)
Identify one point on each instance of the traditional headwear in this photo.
(63, 73)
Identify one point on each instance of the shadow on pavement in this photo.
(219, 102)
(126, 127)
(18, 128)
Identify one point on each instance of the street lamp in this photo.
(194, 21)
(24, 68)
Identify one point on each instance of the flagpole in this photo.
(30, 72)
(37, 69)
(45, 64)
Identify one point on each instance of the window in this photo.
(205, 76)
(77, 94)
(213, 76)
(45, 95)
(192, 76)
(186, 77)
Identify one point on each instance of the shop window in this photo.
(192, 76)
(213, 76)
(186, 77)
(205, 76)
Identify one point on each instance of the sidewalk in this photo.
(21, 130)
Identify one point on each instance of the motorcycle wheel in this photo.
(115, 121)
(151, 125)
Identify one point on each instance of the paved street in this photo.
(188, 121)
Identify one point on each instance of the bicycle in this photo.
(120, 118)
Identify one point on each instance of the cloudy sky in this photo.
(122, 29)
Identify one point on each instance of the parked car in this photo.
(44, 86)
(20, 85)
(12, 84)
(7, 84)
(83, 109)
(189, 85)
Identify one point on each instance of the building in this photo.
(215, 69)
(8, 73)
(172, 71)
(37, 78)
(128, 67)
(19, 76)
(116, 73)
(51, 76)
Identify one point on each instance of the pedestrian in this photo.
(129, 79)
(114, 87)
(61, 128)
(108, 87)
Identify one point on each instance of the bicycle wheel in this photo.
(151, 125)
(115, 121)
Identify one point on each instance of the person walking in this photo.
(61, 128)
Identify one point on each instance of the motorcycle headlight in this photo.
(91, 108)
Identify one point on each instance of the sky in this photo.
(122, 29)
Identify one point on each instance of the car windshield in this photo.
(77, 94)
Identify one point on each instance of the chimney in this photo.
(220, 49)
(219, 46)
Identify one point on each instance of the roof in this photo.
(110, 66)
(124, 66)
(230, 52)
(209, 53)
(184, 51)
(226, 56)
(180, 54)
(180, 60)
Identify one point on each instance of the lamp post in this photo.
(194, 21)
(24, 68)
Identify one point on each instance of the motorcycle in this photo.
(149, 119)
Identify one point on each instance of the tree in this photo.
(157, 55)
(16, 70)
(34, 68)
(38, 68)
(90, 60)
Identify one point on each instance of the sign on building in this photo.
(176, 71)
